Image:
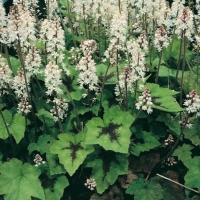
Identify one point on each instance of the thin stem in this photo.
(59, 122)
(7, 56)
(85, 21)
(158, 69)
(179, 57)
(183, 68)
(48, 16)
(75, 110)
(126, 94)
(103, 84)
(9, 135)
(99, 30)
(70, 23)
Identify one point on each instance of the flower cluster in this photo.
(169, 140)
(59, 110)
(192, 103)
(38, 160)
(53, 35)
(142, 41)
(161, 39)
(21, 84)
(33, 61)
(52, 78)
(118, 27)
(24, 106)
(171, 161)
(86, 67)
(21, 25)
(184, 23)
(145, 101)
(125, 83)
(5, 77)
(90, 183)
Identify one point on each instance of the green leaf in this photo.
(56, 192)
(71, 150)
(149, 190)
(112, 133)
(20, 181)
(192, 177)
(183, 152)
(42, 145)
(163, 98)
(107, 168)
(7, 117)
(193, 134)
(149, 143)
(17, 127)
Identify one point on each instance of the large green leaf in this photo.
(149, 190)
(112, 133)
(106, 169)
(192, 177)
(20, 181)
(149, 142)
(56, 192)
(14, 124)
(163, 98)
(71, 150)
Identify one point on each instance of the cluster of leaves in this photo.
(100, 139)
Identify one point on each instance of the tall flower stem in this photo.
(99, 30)
(75, 110)
(158, 69)
(103, 84)
(59, 122)
(7, 56)
(85, 24)
(179, 57)
(183, 68)
(70, 23)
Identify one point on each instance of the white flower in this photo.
(145, 101)
(53, 78)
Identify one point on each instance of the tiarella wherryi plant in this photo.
(100, 100)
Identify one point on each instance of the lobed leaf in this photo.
(71, 150)
(192, 177)
(149, 190)
(112, 133)
(20, 181)
(163, 98)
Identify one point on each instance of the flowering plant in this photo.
(97, 98)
